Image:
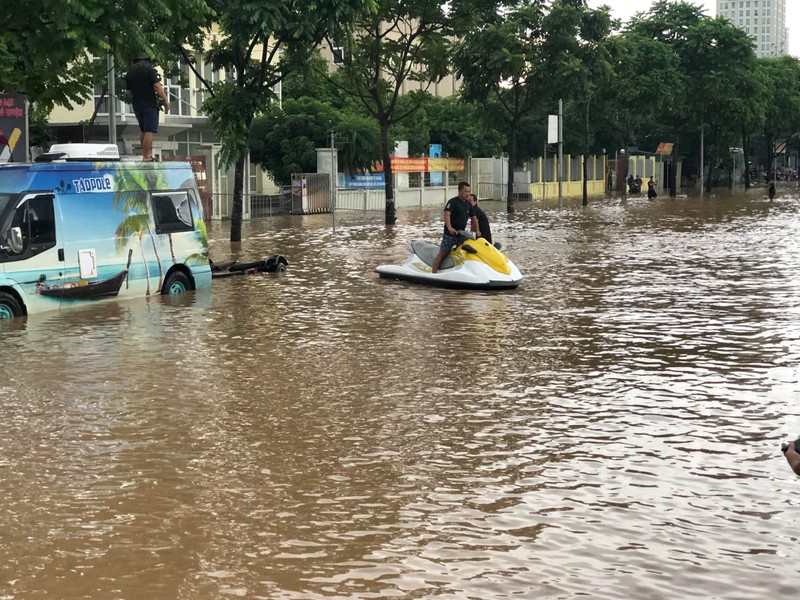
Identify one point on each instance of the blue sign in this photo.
(435, 151)
(368, 181)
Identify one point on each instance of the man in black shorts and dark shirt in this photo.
(457, 212)
(144, 83)
(483, 230)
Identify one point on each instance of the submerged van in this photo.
(81, 226)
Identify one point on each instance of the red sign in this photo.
(13, 125)
(422, 165)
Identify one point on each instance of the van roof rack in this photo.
(80, 152)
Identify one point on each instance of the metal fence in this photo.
(270, 205)
(499, 191)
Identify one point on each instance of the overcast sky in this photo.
(624, 9)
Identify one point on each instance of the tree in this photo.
(724, 83)
(646, 77)
(580, 62)
(501, 63)
(404, 41)
(782, 110)
(526, 57)
(258, 44)
(48, 47)
(285, 140)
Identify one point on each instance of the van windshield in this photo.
(5, 200)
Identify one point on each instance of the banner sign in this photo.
(664, 149)
(364, 181)
(423, 165)
(435, 151)
(552, 129)
(13, 129)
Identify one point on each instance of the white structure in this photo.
(763, 20)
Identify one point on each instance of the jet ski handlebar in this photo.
(463, 234)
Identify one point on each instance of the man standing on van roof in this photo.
(144, 83)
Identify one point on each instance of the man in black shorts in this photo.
(457, 212)
(144, 83)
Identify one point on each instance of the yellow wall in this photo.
(569, 189)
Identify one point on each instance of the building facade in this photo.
(763, 20)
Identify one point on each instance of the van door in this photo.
(32, 262)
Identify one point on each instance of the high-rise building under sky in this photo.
(763, 20)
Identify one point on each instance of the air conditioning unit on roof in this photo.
(73, 152)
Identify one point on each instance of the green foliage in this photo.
(284, 141)
(46, 46)
(259, 43)
(404, 41)
(358, 140)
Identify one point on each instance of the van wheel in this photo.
(176, 283)
(9, 306)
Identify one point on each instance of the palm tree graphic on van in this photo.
(131, 197)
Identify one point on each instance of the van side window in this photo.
(37, 220)
(172, 212)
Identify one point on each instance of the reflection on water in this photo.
(610, 429)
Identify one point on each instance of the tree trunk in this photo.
(236, 209)
(673, 172)
(770, 156)
(585, 159)
(712, 159)
(391, 211)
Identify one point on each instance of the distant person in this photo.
(651, 188)
(771, 190)
(791, 451)
(483, 230)
(144, 84)
(457, 212)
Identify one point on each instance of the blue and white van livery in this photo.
(85, 227)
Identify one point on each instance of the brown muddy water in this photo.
(609, 430)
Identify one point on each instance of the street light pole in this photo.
(560, 151)
(112, 100)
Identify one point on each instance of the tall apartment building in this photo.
(763, 20)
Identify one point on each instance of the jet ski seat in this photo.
(427, 252)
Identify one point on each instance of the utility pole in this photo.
(112, 100)
(333, 184)
(560, 151)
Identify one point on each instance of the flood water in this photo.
(610, 429)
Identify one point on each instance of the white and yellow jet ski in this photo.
(473, 264)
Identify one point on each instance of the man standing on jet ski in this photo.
(457, 212)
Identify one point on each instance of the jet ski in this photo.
(473, 264)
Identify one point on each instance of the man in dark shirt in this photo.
(483, 230)
(144, 83)
(792, 455)
(457, 212)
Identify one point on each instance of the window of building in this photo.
(179, 93)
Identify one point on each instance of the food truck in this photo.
(82, 226)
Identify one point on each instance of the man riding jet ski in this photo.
(471, 264)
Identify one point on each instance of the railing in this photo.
(270, 205)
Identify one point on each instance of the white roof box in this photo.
(93, 152)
